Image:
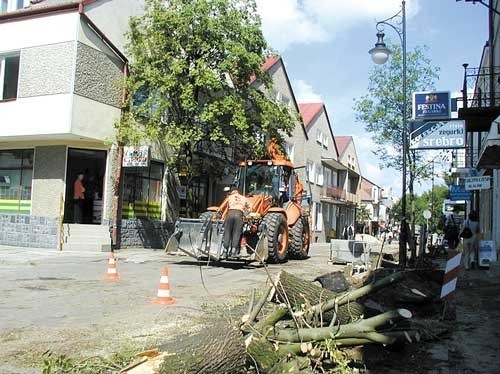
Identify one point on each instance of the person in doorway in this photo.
(238, 206)
(78, 198)
(471, 255)
(345, 234)
(350, 232)
(90, 186)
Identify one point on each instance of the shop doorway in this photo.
(92, 164)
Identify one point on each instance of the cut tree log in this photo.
(349, 297)
(216, 350)
(363, 329)
(302, 294)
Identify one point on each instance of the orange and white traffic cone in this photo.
(163, 296)
(112, 273)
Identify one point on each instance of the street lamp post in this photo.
(380, 54)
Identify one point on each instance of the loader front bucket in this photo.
(200, 238)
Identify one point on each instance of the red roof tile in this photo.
(342, 143)
(309, 111)
(268, 64)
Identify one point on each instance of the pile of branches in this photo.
(296, 326)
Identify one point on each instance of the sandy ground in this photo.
(59, 301)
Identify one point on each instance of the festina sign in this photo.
(477, 183)
(431, 105)
(136, 156)
(437, 134)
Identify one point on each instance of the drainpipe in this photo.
(118, 191)
(491, 36)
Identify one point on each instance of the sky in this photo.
(324, 45)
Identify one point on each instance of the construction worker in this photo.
(238, 206)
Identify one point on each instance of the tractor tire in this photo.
(299, 246)
(277, 237)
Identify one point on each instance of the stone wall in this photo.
(28, 231)
(48, 180)
(138, 232)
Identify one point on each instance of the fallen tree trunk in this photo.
(216, 350)
(364, 329)
(297, 292)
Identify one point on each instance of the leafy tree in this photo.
(362, 215)
(192, 61)
(381, 110)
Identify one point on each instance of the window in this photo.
(325, 141)
(319, 175)
(16, 174)
(142, 191)
(9, 74)
(11, 5)
(310, 171)
(328, 177)
(277, 96)
(318, 217)
(319, 136)
(289, 150)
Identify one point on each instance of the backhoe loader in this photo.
(276, 228)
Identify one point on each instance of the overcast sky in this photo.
(325, 43)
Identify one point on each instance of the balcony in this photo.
(335, 193)
(480, 105)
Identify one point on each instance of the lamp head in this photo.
(380, 54)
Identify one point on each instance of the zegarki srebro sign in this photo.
(431, 105)
(437, 134)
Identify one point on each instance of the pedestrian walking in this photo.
(469, 234)
(78, 198)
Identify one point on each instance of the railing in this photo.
(334, 192)
(352, 197)
(476, 91)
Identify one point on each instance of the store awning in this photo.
(489, 157)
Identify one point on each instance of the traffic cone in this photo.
(163, 295)
(112, 274)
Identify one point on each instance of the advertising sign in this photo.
(437, 134)
(477, 183)
(431, 105)
(487, 252)
(136, 156)
(459, 193)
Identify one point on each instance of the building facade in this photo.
(61, 97)
(481, 111)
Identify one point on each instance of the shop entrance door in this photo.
(92, 164)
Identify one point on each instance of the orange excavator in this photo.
(277, 227)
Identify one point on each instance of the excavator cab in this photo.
(270, 179)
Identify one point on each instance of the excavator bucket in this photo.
(200, 238)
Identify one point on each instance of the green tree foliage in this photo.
(192, 62)
(362, 214)
(381, 110)
(426, 201)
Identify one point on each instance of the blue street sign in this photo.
(459, 193)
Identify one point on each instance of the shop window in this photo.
(142, 191)
(16, 175)
(9, 74)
